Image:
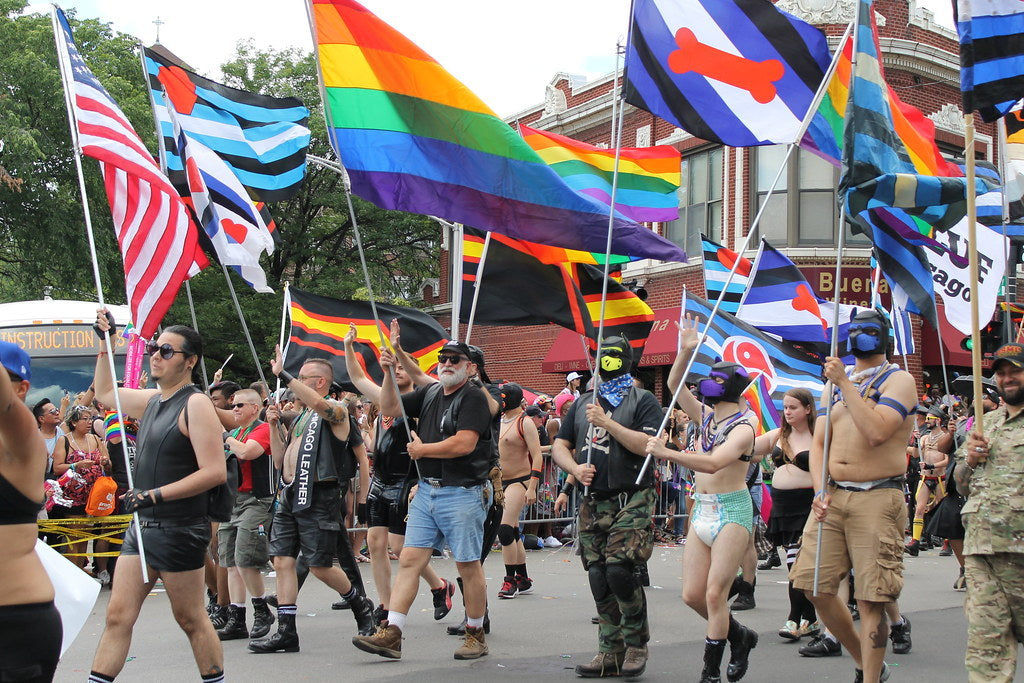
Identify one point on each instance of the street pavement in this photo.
(544, 634)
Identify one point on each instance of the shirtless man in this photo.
(935, 444)
(723, 514)
(313, 468)
(520, 458)
(861, 507)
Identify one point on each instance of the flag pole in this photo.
(476, 284)
(339, 168)
(455, 257)
(972, 253)
(245, 326)
(808, 117)
(162, 158)
(284, 319)
(63, 60)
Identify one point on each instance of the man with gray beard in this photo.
(453, 450)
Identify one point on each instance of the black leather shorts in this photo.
(170, 548)
(314, 530)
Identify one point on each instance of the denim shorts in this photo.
(452, 514)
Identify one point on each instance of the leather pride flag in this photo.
(517, 289)
(319, 325)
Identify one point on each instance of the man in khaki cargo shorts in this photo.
(862, 507)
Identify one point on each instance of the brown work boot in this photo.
(635, 661)
(604, 665)
(386, 641)
(474, 646)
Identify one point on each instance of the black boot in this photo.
(745, 599)
(741, 641)
(262, 618)
(285, 640)
(234, 628)
(713, 651)
(362, 610)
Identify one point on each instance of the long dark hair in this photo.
(807, 401)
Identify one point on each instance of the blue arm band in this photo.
(895, 405)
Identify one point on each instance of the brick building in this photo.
(722, 190)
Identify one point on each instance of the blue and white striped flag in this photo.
(718, 261)
(991, 55)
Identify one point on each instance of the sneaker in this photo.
(552, 542)
(961, 581)
(635, 661)
(914, 548)
(604, 665)
(882, 677)
(790, 631)
(509, 589)
(524, 585)
(899, 634)
(946, 550)
(443, 599)
(104, 578)
(386, 642)
(474, 646)
(811, 630)
(219, 616)
(822, 646)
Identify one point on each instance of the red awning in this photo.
(951, 339)
(567, 353)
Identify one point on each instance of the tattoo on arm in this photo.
(334, 414)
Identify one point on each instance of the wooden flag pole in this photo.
(63, 59)
(972, 252)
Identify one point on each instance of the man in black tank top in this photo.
(314, 463)
(179, 458)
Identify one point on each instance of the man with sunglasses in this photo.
(862, 508)
(179, 458)
(601, 444)
(242, 541)
(453, 449)
(989, 469)
(935, 443)
(316, 464)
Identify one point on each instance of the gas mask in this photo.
(725, 382)
(869, 333)
(616, 357)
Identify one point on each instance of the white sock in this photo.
(396, 619)
(236, 604)
(472, 622)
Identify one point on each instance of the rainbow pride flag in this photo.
(648, 176)
(824, 136)
(414, 138)
(759, 399)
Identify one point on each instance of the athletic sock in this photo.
(716, 643)
(213, 678)
(396, 619)
(240, 605)
(520, 570)
(352, 594)
(474, 623)
(284, 610)
(918, 528)
(100, 678)
(510, 569)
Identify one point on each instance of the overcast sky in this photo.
(505, 53)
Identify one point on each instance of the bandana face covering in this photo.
(614, 390)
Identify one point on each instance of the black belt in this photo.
(890, 483)
(438, 482)
(608, 495)
(172, 523)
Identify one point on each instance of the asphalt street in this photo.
(544, 634)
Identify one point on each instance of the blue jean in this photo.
(454, 514)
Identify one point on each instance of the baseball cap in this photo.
(572, 375)
(457, 347)
(534, 411)
(1010, 353)
(15, 360)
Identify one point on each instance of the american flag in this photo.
(158, 239)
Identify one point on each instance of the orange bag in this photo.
(102, 498)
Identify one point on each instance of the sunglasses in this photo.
(450, 360)
(166, 350)
(241, 405)
(53, 411)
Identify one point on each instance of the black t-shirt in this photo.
(647, 419)
(472, 413)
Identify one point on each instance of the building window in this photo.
(802, 211)
(700, 201)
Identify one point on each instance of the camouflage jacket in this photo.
(994, 511)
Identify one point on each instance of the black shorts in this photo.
(314, 531)
(31, 635)
(386, 509)
(170, 548)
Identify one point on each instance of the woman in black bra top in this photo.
(30, 627)
(789, 448)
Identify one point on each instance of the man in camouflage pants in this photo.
(615, 515)
(990, 471)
